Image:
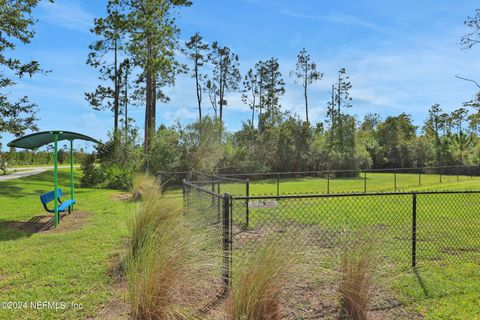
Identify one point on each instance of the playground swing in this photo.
(38, 139)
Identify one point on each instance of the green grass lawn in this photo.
(70, 266)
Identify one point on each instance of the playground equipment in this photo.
(38, 139)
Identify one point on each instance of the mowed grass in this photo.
(69, 266)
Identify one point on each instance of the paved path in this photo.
(27, 171)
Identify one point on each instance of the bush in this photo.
(113, 165)
(92, 176)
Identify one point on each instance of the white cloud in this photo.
(68, 14)
(340, 18)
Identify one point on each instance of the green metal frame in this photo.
(55, 176)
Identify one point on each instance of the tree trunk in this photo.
(148, 98)
(305, 85)
(116, 94)
(253, 110)
(199, 93)
(306, 98)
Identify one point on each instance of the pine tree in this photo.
(153, 40)
(226, 74)
(197, 51)
(306, 74)
(104, 56)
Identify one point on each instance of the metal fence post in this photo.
(219, 204)
(414, 230)
(440, 172)
(419, 177)
(184, 194)
(395, 179)
(328, 181)
(278, 184)
(213, 193)
(226, 242)
(365, 181)
(247, 210)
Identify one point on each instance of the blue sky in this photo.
(401, 56)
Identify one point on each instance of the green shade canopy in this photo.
(38, 139)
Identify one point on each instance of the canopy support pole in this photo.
(55, 176)
(72, 192)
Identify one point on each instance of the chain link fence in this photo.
(366, 180)
(408, 229)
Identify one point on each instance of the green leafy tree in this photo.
(306, 74)
(367, 136)
(432, 129)
(396, 136)
(341, 134)
(16, 27)
(461, 143)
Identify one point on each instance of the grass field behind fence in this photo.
(447, 283)
(375, 182)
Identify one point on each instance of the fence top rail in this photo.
(202, 184)
(172, 172)
(225, 175)
(339, 195)
(221, 177)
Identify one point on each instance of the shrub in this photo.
(92, 176)
(357, 269)
(255, 293)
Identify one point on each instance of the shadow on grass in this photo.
(433, 290)
(421, 283)
(13, 230)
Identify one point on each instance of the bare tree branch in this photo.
(470, 80)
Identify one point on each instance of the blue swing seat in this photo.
(48, 197)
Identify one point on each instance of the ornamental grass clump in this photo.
(357, 267)
(255, 293)
(143, 184)
(158, 259)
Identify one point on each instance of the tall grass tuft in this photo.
(358, 266)
(258, 284)
(158, 258)
(143, 184)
